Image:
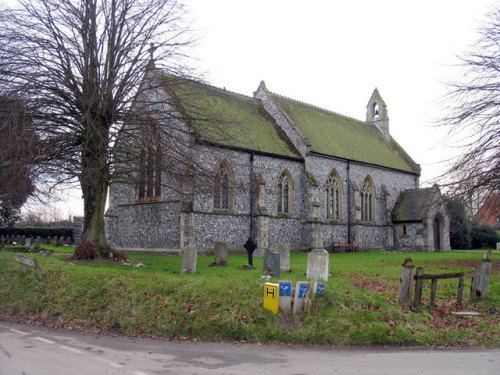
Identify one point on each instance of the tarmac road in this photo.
(27, 350)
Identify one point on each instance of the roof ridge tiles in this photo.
(318, 107)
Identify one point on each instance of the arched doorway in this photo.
(437, 226)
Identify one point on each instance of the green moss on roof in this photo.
(230, 119)
(332, 134)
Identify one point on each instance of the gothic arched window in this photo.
(285, 193)
(333, 196)
(149, 173)
(222, 187)
(368, 201)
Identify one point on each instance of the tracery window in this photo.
(285, 193)
(367, 201)
(333, 196)
(222, 187)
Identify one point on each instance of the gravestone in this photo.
(271, 264)
(498, 245)
(22, 240)
(2, 241)
(301, 293)
(53, 241)
(60, 241)
(220, 253)
(37, 242)
(318, 263)
(189, 258)
(284, 250)
(27, 242)
(285, 296)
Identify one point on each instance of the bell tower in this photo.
(376, 113)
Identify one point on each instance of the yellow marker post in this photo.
(271, 297)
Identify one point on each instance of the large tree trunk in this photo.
(94, 182)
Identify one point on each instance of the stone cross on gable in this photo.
(152, 49)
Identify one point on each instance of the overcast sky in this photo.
(334, 53)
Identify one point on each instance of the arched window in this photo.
(285, 193)
(333, 196)
(368, 201)
(376, 111)
(149, 174)
(222, 187)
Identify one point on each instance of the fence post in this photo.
(482, 279)
(460, 291)
(418, 286)
(406, 282)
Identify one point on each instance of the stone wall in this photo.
(152, 225)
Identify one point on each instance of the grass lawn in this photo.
(225, 303)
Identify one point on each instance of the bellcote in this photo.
(376, 113)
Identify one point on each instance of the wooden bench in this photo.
(29, 263)
(341, 246)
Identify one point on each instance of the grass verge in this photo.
(225, 303)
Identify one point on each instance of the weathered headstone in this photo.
(318, 265)
(53, 241)
(285, 297)
(271, 297)
(189, 258)
(406, 282)
(27, 242)
(37, 242)
(220, 253)
(284, 250)
(22, 241)
(301, 293)
(498, 245)
(319, 288)
(2, 241)
(271, 264)
(60, 241)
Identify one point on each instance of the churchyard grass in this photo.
(151, 297)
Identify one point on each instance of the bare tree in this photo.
(474, 117)
(18, 148)
(84, 66)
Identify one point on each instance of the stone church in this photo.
(283, 173)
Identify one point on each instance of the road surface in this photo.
(26, 350)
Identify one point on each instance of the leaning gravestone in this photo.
(271, 264)
(220, 254)
(189, 258)
(284, 250)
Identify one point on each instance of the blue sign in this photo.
(320, 289)
(285, 289)
(303, 290)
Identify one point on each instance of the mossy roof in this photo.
(332, 134)
(413, 205)
(230, 119)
